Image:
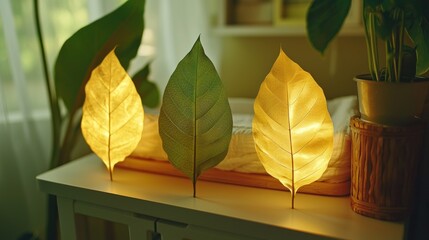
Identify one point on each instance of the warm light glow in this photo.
(292, 128)
(112, 115)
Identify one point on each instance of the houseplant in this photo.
(398, 28)
(121, 29)
(387, 139)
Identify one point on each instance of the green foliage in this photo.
(324, 21)
(419, 32)
(147, 90)
(82, 52)
(195, 121)
(391, 21)
(121, 29)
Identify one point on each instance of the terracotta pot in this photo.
(388, 103)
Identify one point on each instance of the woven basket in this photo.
(385, 160)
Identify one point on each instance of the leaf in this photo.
(112, 116)
(419, 33)
(85, 50)
(148, 90)
(324, 21)
(292, 129)
(195, 121)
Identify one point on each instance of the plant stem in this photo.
(293, 200)
(371, 42)
(66, 146)
(194, 185)
(400, 42)
(394, 47)
(53, 100)
(52, 218)
(389, 76)
(398, 35)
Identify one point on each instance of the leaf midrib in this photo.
(110, 116)
(194, 172)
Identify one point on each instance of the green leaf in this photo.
(85, 50)
(324, 21)
(419, 32)
(148, 90)
(195, 121)
(371, 3)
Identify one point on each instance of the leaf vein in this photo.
(125, 123)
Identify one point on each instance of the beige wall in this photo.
(245, 61)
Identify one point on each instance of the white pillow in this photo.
(241, 155)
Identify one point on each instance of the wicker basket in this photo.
(385, 160)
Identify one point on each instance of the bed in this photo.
(241, 165)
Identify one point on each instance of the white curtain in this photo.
(172, 27)
(176, 26)
(25, 131)
(24, 143)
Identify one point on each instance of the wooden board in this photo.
(237, 178)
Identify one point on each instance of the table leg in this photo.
(67, 218)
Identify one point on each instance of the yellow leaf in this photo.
(292, 128)
(112, 118)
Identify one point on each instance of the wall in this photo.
(245, 61)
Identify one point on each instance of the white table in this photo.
(150, 203)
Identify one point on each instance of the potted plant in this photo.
(387, 139)
(391, 94)
(121, 29)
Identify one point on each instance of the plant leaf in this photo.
(112, 115)
(148, 90)
(419, 32)
(292, 128)
(85, 49)
(195, 121)
(324, 21)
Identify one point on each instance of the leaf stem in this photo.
(394, 46)
(194, 180)
(68, 140)
(194, 184)
(110, 172)
(292, 190)
(371, 42)
(293, 199)
(53, 100)
(52, 218)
